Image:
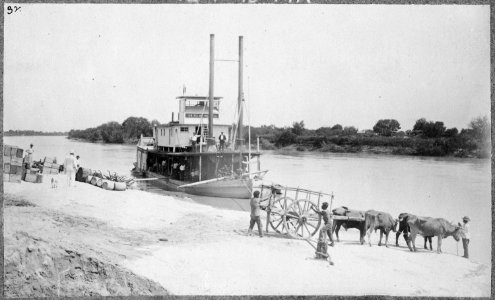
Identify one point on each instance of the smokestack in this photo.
(172, 116)
(211, 91)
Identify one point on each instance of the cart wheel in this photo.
(301, 221)
(278, 212)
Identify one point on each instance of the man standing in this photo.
(467, 236)
(28, 159)
(255, 214)
(222, 139)
(70, 168)
(78, 164)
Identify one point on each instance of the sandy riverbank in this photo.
(137, 243)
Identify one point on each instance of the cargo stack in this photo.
(33, 175)
(50, 166)
(12, 163)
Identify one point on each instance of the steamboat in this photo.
(186, 155)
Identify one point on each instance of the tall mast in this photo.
(211, 91)
(240, 96)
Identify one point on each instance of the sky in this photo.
(74, 66)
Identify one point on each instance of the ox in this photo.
(404, 228)
(379, 220)
(438, 227)
(344, 211)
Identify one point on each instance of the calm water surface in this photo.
(425, 186)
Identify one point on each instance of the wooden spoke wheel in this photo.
(301, 220)
(278, 211)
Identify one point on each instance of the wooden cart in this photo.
(293, 211)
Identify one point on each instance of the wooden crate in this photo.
(50, 159)
(30, 178)
(45, 170)
(34, 171)
(19, 153)
(53, 171)
(13, 151)
(6, 150)
(47, 164)
(16, 160)
(39, 178)
(6, 177)
(15, 178)
(13, 169)
(6, 168)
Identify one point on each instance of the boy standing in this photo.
(255, 214)
(465, 239)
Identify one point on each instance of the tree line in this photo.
(114, 132)
(425, 138)
(32, 133)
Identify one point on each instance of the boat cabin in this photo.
(192, 127)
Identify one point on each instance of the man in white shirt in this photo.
(70, 168)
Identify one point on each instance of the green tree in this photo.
(430, 129)
(386, 127)
(298, 128)
(285, 138)
(337, 127)
(350, 130)
(481, 129)
(133, 127)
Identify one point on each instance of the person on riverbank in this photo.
(78, 163)
(28, 159)
(255, 214)
(70, 168)
(467, 236)
(328, 221)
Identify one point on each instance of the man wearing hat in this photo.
(70, 168)
(465, 239)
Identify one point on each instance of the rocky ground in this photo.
(49, 253)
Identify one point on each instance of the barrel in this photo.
(94, 180)
(82, 174)
(88, 179)
(99, 182)
(120, 186)
(108, 185)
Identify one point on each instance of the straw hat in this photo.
(71, 151)
(466, 218)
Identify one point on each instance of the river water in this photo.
(438, 187)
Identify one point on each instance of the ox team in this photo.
(409, 225)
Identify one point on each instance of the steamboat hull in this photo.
(227, 188)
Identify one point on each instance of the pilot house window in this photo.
(184, 129)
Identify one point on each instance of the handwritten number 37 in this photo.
(13, 9)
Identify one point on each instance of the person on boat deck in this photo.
(193, 141)
(164, 167)
(182, 169)
(175, 169)
(222, 138)
(255, 213)
(328, 220)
